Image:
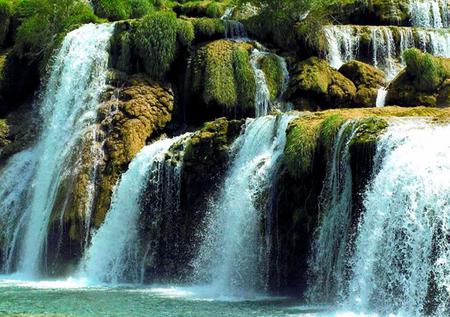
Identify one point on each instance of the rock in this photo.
(131, 117)
(367, 80)
(424, 82)
(204, 162)
(222, 81)
(316, 85)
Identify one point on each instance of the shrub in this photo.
(155, 41)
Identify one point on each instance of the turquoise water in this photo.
(70, 298)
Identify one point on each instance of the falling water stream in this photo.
(232, 255)
(68, 109)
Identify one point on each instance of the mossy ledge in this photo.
(314, 132)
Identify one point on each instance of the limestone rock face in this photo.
(424, 82)
(316, 85)
(131, 116)
(367, 80)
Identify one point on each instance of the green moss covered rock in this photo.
(155, 42)
(367, 80)
(316, 85)
(272, 68)
(6, 14)
(223, 78)
(424, 82)
(204, 8)
(310, 136)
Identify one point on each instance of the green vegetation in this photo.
(211, 9)
(207, 28)
(6, 13)
(155, 39)
(122, 9)
(43, 24)
(428, 72)
(316, 131)
(185, 32)
(270, 65)
(222, 74)
(4, 131)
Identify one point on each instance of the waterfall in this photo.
(116, 253)
(233, 29)
(384, 51)
(381, 97)
(429, 13)
(232, 256)
(329, 250)
(402, 247)
(343, 45)
(435, 42)
(262, 98)
(68, 110)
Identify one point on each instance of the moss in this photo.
(155, 39)
(428, 72)
(185, 32)
(329, 127)
(222, 74)
(369, 129)
(315, 84)
(6, 13)
(244, 78)
(211, 9)
(4, 132)
(312, 132)
(206, 28)
(115, 10)
(301, 143)
(215, 10)
(270, 65)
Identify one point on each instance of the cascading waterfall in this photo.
(344, 43)
(402, 250)
(232, 255)
(16, 177)
(263, 102)
(381, 97)
(262, 98)
(116, 253)
(429, 13)
(68, 108)
(329, 250)
(384, 51)
(233, 29)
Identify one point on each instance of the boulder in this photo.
(424, 82)
(367, 80)
(221, 82)
(315, 85)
